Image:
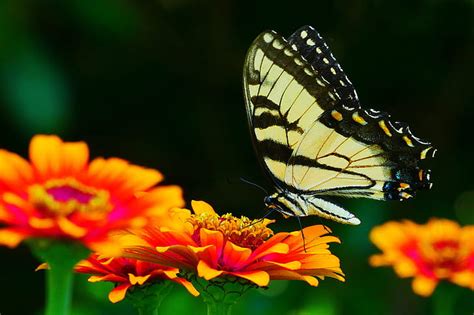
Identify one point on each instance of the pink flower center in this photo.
(437, 259)
(67, 196)
(66, 193)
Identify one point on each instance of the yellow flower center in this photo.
(66, 196)
(241, 231)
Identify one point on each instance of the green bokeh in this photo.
(159, 83)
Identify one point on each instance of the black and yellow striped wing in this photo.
(310, 132)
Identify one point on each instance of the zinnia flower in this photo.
(214, 246)
(129, 274)
(438, 250)
(60, 194)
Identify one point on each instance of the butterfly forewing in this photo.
(283, 100)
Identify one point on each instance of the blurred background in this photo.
(159, 82)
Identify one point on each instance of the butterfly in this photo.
(313, 138)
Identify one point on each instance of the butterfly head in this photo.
(281, 203)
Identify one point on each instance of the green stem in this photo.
(215, 307)
(147, 310)
(59, 281)
(61, 257)
(147, 299)
(222, 293)
(444, 300)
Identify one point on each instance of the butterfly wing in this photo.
(349, 151)
(283, 97)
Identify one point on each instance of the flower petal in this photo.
(424, 286)
(119, 292)
(121, 177)
(137, 279)
(70, 228)
(11, 237)
(15, 172)
(188, 285)
(200, 207)
(45, 155)
(235, 256)
(74, 157)
(260, 278)
(214, 241)
(207, 272)
(43, 266)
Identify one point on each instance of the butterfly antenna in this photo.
(302, 233)
(263, 218)
(254, 184)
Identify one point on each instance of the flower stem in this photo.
(215, 307)
(61, 257)
(444, 300)
(221, 294)
(150, 310)
(59, 281)
(147, 299)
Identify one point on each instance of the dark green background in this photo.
(159, 83)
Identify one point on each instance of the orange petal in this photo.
(292, 265)
(11, 238)
(107, 247)
(137, 279)
(321, 261)
(74, 157)
(234, 256)
(201, 207)
(378, 260)
(278, 248)
(424, 286)
(122, 177)
(119, 292)
(405, 268)
(312, 281)
(70, 228)
(214, 240)
(15, 172)
(45, 155)
(41, 223)
(43, 266)
(292, 275)
(260, 278)
(464, 279)
(107, 277)
(162, 199)
(207, 272)
(188, 285)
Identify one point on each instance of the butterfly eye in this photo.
(269, 202)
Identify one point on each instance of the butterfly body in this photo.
(313, 138)
(301, 205)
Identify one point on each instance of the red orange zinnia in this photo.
(438, 250)
(214, 246)
(60, 194)
(129, 273)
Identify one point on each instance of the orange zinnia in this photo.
(214, 246)
(438, 250)
(129, 274)
(60, 194)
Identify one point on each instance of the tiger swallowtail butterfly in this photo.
(313, 138)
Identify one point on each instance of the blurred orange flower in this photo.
(213, 246)
(128, 273)
(438, 250)
(60, 194)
